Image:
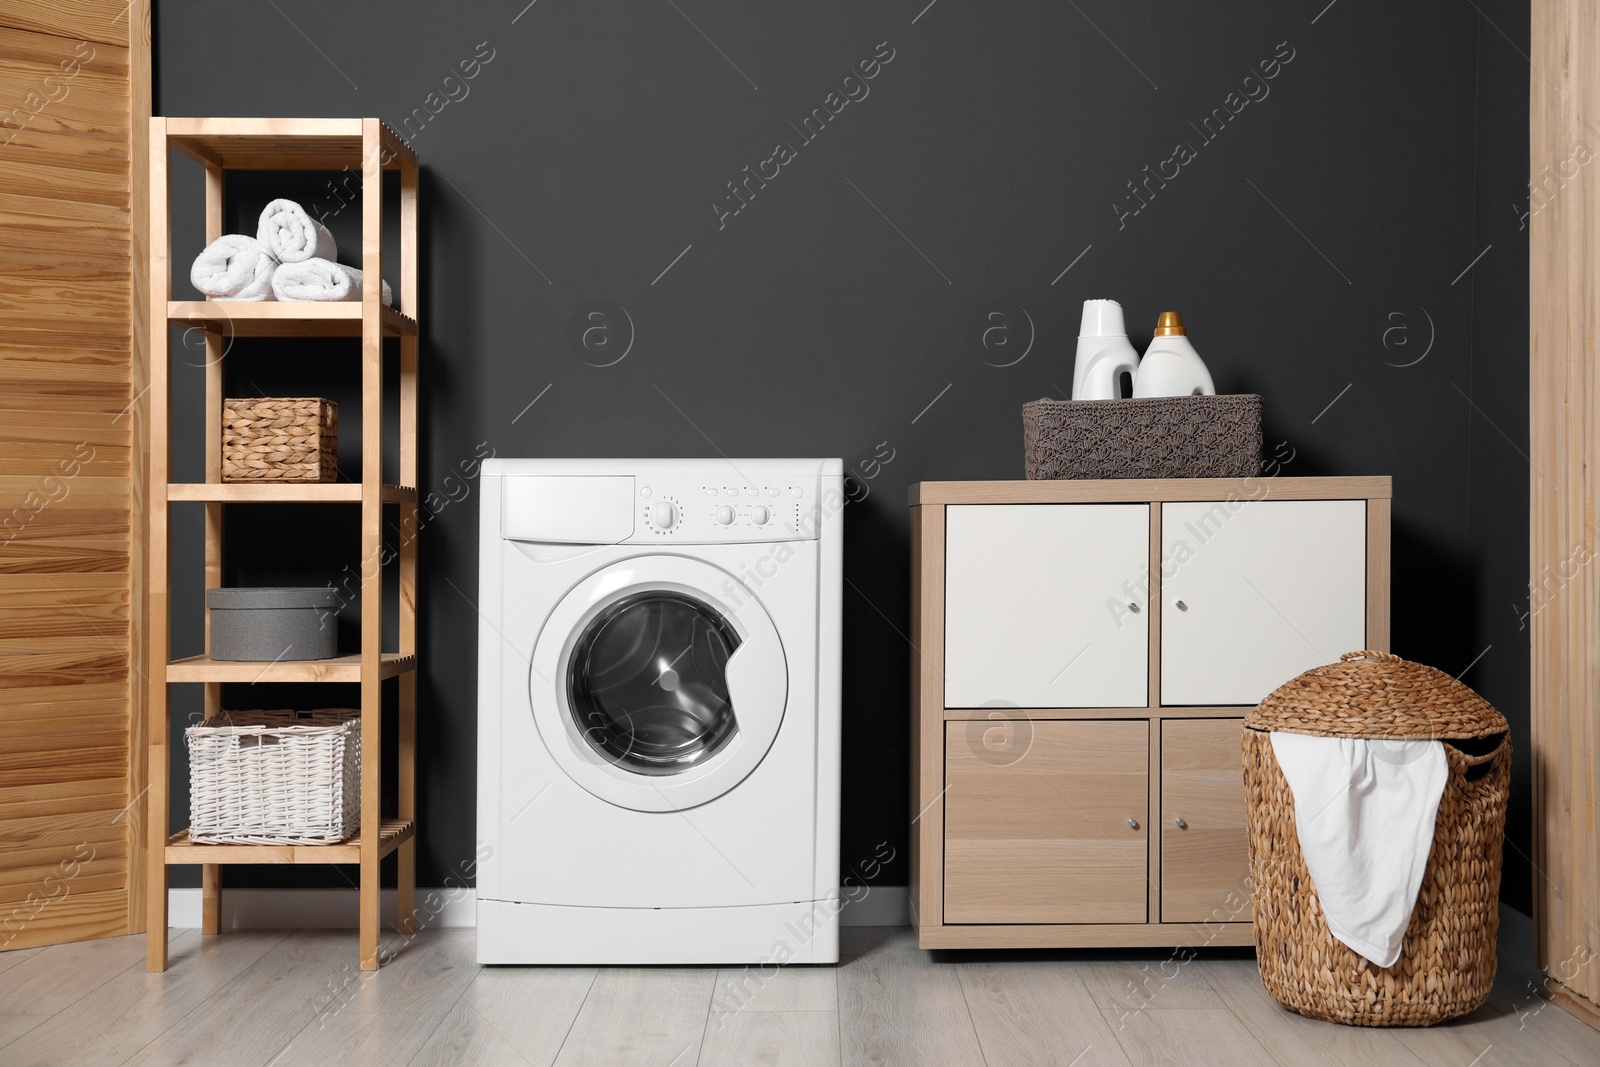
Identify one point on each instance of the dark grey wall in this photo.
(1316, 234)
(1497, 381)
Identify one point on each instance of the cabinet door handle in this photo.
(1181, 606)
(1133, 824)
(1133, 606)
(1179, 823)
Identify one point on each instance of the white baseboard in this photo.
(277, 909)
(269, 909)
(890, 905)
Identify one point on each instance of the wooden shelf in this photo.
(268, 493)
(338, 669)
(361, 147)
(180, 850)
(282, 144)
(271, 318)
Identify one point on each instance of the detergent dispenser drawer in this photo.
(567, 510)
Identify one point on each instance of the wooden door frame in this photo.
(140, 103)
(1563, 284)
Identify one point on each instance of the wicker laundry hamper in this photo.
(1447, 960)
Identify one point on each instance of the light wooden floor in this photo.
(295, 998)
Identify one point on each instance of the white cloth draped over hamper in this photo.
(293, 235)
(321, 279)
(1364, 811)
(234, 267)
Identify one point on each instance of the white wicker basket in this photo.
(275, 777)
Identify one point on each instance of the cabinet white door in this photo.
(1254, 592)
(1044, 605)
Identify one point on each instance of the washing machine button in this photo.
(772, 491)
(795, 490)
(725, 516)
(644, 491)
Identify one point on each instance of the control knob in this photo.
(663, 516)
(725, 516)
(759, 515)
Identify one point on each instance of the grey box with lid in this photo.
(270, 623)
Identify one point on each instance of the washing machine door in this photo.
(658, 683)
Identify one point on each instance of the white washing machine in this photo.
(658, 711)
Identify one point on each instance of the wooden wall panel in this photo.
(74, 106)
(90, 20)
(1564, 289)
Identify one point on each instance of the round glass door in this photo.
(658, 683)
(647, 683)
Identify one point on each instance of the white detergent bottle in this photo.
(1171, 366)
(1104, 353)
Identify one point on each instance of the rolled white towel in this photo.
(234, 267)
(294, 236)
(320, 279)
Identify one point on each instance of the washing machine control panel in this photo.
(697, 510)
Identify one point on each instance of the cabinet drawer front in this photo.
(1205, 862)
(1046, 838)
(1036, 610)
(1268, 588)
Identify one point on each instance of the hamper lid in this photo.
(274, 596)
(1376, 695)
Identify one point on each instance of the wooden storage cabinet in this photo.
(1049, 828)
(1083, 655)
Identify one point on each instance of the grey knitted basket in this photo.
(1160, 437)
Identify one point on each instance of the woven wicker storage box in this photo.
(1160, 437)
(278, 439)
(1447, 960)
(275, 777)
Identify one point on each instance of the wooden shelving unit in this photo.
(221, 145)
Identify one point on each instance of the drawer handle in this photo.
(1179, 823)
(1133, 824)
(1133, 606)
(1182, 606)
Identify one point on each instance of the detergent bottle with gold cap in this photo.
(1171, 366)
